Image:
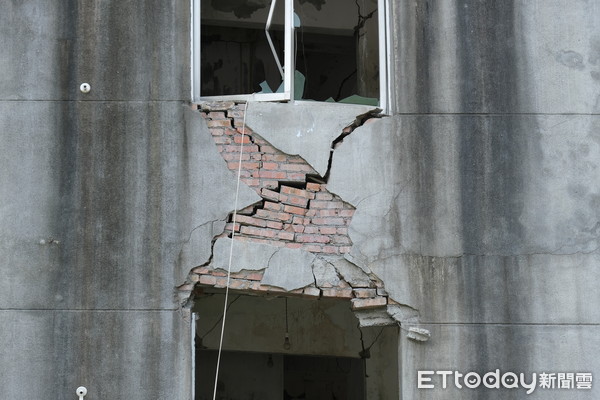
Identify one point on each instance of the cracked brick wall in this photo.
(297, 210)
(366, 295)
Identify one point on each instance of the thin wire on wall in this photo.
(235, 206)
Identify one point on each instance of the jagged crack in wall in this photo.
(299, 225)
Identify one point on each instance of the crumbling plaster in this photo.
(303, 128)
(293, 270)
(210, 208)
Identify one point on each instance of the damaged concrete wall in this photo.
(482, 212)
(475, 204)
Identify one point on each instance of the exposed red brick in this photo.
(273, 215)
(270, 184)
(328, 230)
(315, 187)
(235, 157)
(268, 288)
(207, 280)
(294, 200)
(222, 140)
(270, 165)
(201, 270)
(239, 284)
(217, 132)
(268, 149)
(307, 217)
(311, 213)
(274, 224)
(245, 165)
(272, 174)
(313, 248)
(358, 304)
(216, 123)
(285, 235)
(338, 293)
(331, 249)
(294, 176)
(365, 293)
(311, 229)
(243, 219)
(272, 157)
(250, 230)
(221, 283)
(246, 148)
(229, 227)
(244, 129)
(273, 206)
(301, 221)
(306, 238)
(298, 168)
(294, 210)
(323, 196)
(328, 221)
(294, 191)
(242, 139)
(326, 204)
(269, 194)
(255, 276)
(234, 114)
(186, 287)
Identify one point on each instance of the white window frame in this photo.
(288, 65)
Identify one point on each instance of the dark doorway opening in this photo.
(274, 345)
(246, 376)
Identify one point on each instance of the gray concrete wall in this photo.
(100, 191)
(477, 201)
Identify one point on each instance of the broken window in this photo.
(322, 50)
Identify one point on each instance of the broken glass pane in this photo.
(235, 53)
(337, 49)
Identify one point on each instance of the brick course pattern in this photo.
(249, 282)
(297, 211)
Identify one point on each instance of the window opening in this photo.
(326, 50)
(338, 50)
(242, 44)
